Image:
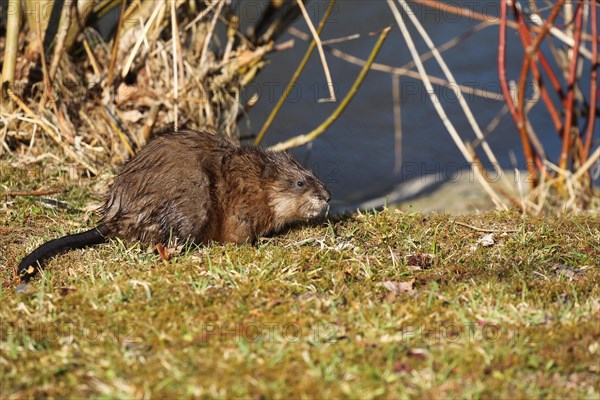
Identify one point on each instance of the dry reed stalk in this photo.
(450, 43)
(438, 107)
(317, 40)
(113, 58)
(461, 100)
(529, 156)
(115, 128)
(201, 15)
(65, 125)
(397, 123)
(309, 137)
(149, 23)
(63, 29)
(91, 57)
(210, 32)
(585, 167)
(294, 77)
(591, 123)
(176, 62)
(146, 90)
(342, 39)
(11, 48)
(399, 71)
(52, 133)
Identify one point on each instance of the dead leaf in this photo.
(565, 271)
(397, 288)
(486, 240)
(419, 354)
(131, 115)
(165, 252)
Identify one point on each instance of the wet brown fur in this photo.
(204, 188)
(198, 187)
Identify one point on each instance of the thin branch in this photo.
(39, 192)
(567, 137)
(450, 43)
(587, 164)
(200, 16)
(593, 86)
(342, 39)
(493, 124)
(209, 34)
(331, 98)
(529, 157)
(472, 14)
(561, 36)
(493, 20)
(303, 139)
(399, 71)
(485, 230)
(522, 124)
(526, 39)
(438, 107)
(453, 86)
(397, 123)
(529, 52)
(294, 78)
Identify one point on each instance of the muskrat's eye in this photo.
(300, 183)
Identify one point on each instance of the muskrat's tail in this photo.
(36, 259)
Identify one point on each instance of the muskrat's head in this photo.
(295, 193)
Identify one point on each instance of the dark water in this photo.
(355, 157)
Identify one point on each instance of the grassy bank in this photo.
(380, 305)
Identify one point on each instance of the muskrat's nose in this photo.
(327, 196)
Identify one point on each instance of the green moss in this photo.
(305, 313)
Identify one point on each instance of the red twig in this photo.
(464, 12)
(593, 86)
(502, 63)
(529, 52)
(525, 35)
(566, 145)
(529, 155)
(526, 39)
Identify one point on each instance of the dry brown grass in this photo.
(104, 100)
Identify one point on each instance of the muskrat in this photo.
(196, 187)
